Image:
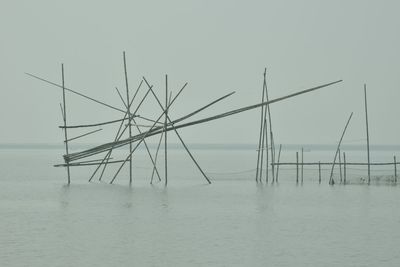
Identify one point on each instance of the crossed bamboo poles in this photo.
(263, 137)
(156, 128)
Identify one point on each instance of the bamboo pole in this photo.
(297, 167)
(265, 133)
(277, 167)
(262, 151)
(65, 122)
(260, 140)
(165, 130)
(147, 119)
(75, 92)
(83, 135)
(80, 164)
(122, 99)
(344, 168)
(395, 169)
(331, 163)
(129, 115)
(302, 164)
(266, 149)
(155, 157)
(319, 172)
(331, 181)
(340, 167)
(268, 108)
(367, 131)
(62, 112)
(93, 125)
(272, 152)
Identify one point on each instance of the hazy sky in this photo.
(217, 47)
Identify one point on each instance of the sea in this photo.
(234, 221)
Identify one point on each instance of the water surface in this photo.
(233, 222)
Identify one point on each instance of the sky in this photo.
(217, 47)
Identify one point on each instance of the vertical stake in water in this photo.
(319, 172)
(297, 167)
(331, 180)
(165, 129)
(277, 167)
(266, 147)
(265, 134)
(262, 151)
(366, 122)
(129, 121)
(261, 131)
(340, 167)
(395, 169)
(302, 164)
(344, 168)
(65, 123)
(272, 140)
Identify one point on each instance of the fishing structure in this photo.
(134, 129)
(343, 165)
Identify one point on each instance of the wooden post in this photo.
(302, 164)
(129, 116)
(331, 181)
(266, 149)
(319, 172)
(272, 140)
(297, 167)
(262, 151)
(340, 167)
(165, 129)
(65, 123)
(265, 132)
(366, 122)
(272, 152)
(277, 167)
(262, 127)
(395, 169)
(344, 168)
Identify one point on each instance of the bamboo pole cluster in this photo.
(263, 143)
(342, 164)
(130, 119)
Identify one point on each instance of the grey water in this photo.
(232, 222)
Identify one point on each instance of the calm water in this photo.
(233, 222)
